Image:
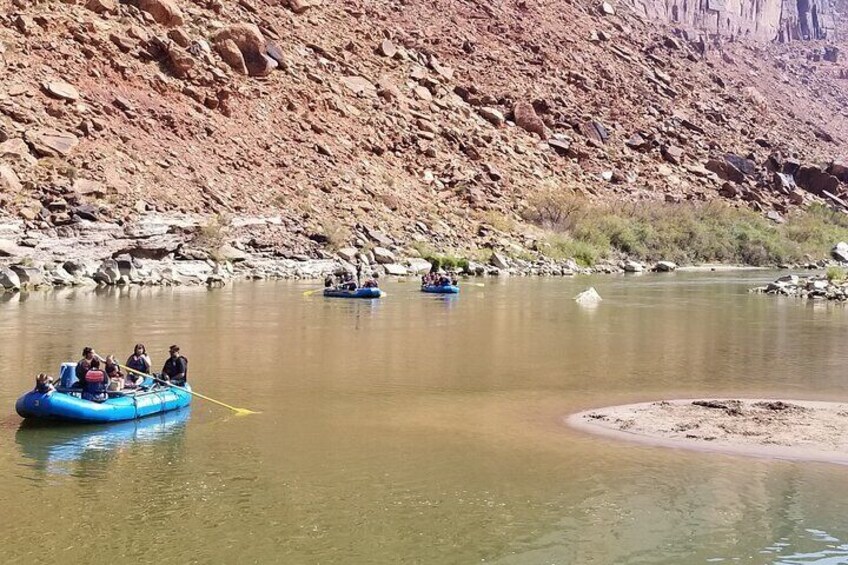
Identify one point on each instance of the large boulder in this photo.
(229, 253)
(29, 276)
(9, 279)
(631, 266)
(527, 119)
(231, 54)
(840, 252)
(383, 255)
(9, 249)
(300, 6)
(165, 12)
(814, 180)
(395, 270)
(15, 151)
(419, 266)
(9, 181)
(725, 170)
(664, 267)
(499, 261)
(109, 272)
(252, 45)
(839, 169)
(47, 142)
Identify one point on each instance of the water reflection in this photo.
(62, 449)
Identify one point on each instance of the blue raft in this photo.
(440, 288)
(361, 292)
(65, 404)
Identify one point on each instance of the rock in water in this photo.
(9, 279)
(588, 297)
(664, 266)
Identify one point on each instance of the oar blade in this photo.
(245, 412)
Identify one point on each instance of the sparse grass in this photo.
(836, 274)
(499, 221)
(337, 234)
(212, 234)
(690, 233)
(448, 262)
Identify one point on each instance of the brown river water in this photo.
(422, 429)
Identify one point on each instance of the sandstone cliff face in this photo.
(761, 20)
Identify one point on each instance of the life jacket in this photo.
(95, 386)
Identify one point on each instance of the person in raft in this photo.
(138, 361)
(95, 384)
(84, 364)
(113, 372)
(371, 282)
(176, 367)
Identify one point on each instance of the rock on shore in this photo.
(813, 287)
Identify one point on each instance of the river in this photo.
(422, 429)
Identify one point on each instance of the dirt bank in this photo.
(784, 429)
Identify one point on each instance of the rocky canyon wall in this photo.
(762, 20)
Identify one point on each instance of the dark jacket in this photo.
(176, 366)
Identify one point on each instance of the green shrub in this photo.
(835, 274)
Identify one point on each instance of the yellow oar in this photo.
(238, 411)
(313, 291)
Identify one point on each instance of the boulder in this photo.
(252, 45)
(664, 267)
(61, 277)
(229, 253)
(499, 261)
(491, 115)
(61, 90)
(102, 6)
(839, 169)
(595, 131)
(588, 297)
(9, 249)
(673, 154)
(607, 9)
(165, 12)
(347, 254)
(300, 6)
(724, 170)
(745, 166)
(9, 181)
(419, 266)
(783, 183)
(631, 266)
(231, 54)
(180, 62)
(840, 252)
(383, 255)
(527, 119)
(109, 272)
(29, 276)
(17, 152)
(395, 270)
(637, 142)
(9, 279)
(387, 48)
(359, 85)
(46, 142)
(812, 179)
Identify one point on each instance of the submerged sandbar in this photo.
(784, 429)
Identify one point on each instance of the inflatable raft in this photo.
(361, 292)
(66, 405)
(440, 288)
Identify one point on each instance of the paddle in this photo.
(313, 291)
(238, 411)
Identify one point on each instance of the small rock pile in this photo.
(814, 287)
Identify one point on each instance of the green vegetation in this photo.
(447, 262)
(836, 274)
(683, 233)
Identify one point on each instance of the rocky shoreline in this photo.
(184, 249)
(187, 249)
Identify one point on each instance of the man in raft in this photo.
(176, 367)
(84, 364)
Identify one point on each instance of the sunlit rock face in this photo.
(766, 20)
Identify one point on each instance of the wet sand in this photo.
(783, 429)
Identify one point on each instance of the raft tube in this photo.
(440, 288)
(66, 405)
(361, 292)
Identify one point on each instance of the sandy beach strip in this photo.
(782, 429)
